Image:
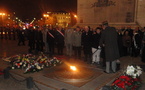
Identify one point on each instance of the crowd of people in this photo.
(100, 42)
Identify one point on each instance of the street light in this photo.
(46, 17)
(2, 14)
(75, 16)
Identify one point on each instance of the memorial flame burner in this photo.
(74, 74)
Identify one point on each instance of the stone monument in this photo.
(93, 12)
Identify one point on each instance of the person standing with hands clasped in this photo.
(109, 42)
(96, 49)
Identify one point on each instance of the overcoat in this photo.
(109, 39)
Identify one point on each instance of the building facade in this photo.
(119, 12)
(62, 19)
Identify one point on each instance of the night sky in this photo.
(28, 9)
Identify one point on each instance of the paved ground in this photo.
(18, 80)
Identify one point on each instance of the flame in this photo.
(73, 68)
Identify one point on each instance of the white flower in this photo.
(133, 71)
(139, 72)
(138, 67)
(134, 75)
(130, 70)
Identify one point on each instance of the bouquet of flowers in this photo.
(31, 63)
(130, 80)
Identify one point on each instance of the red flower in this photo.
(127, 78)
(121, 85)
(122, 81)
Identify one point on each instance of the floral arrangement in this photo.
(130, 80)
(31, 63)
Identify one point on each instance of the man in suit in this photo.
(77, 34)
(69, 41)
(51, 41)
(59, 40)
(31, 39)
(39, 40)
(21, 36)
(86, 43)
(109, 42)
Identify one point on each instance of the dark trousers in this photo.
(14, 37)
(9, 35)
(135, 52)
(39, 46)
(51, 48)
(103, 57)
(143, 55)
(126, 51)
(60, 47)
(88, 58)
(21, 41)
(32, 46)
(77, 52)
(88, 54)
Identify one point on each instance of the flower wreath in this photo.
(130, 80)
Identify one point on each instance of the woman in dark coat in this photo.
(126, 39)
(136, 44)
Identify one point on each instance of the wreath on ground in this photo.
(31, 63)
(129, 80)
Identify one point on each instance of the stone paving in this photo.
(9, 48)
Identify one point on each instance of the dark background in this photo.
(28, 9)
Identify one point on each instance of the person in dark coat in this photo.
(86, 43)
(9, 33)
(136, 44)
(39, 40)
(143, 50)
(31, 39)
(126, 39)
(21, 37)
(109, 41)
(120, 42)
(130, 31)
(59, 40)
(96, 49)
(14, 33)
(51, 41)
